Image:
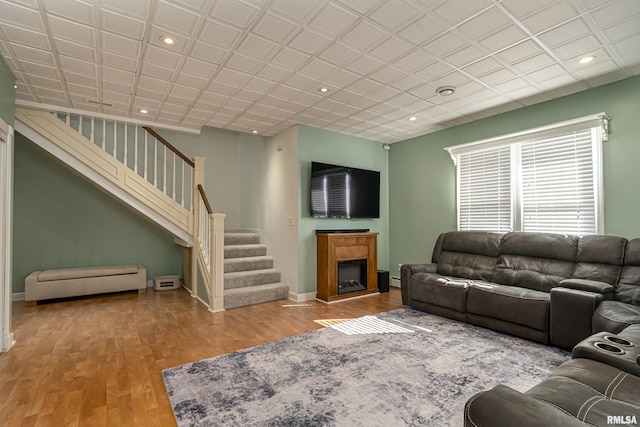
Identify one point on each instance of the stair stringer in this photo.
(80, 154)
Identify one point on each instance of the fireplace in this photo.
(352, 276)
(346, 266)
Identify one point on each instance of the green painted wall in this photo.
(7, 93)
(330, 147)
(61, 220)
(422, 176)
(233, 171)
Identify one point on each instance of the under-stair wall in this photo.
(138, 171)
(146, 173)
(62, 220)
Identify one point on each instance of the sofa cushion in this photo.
(509, 303)
(84, 272)
(631, 332)
(466, 265)
(539, 274)
(472, 242)
(632, 253)
(537, 261)
(614, 316)
(431, 288)
(540, 245)
(467, 254)
(600, 258)
(628, 289)
(591, 391)
(503, 406)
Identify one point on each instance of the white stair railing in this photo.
(140, 149)
(209, 246)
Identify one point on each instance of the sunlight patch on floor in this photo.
(369, 325)
(331, 322)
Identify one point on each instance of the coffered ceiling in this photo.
(259, 64)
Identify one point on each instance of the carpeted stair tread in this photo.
(241, 279)
(249, 277)
(248, 263)
(239, 251)
(241, 238)
(255, 295)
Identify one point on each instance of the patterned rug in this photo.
(400, 368)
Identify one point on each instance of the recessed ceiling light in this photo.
(168, 40)
(143, 111)
(446, 90)
(587, 59)
(323, 89)
(413, 118)
(254, 131)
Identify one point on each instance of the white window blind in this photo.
(484, 190)
(559, 185)
(547, 179)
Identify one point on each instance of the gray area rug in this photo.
(403, 367)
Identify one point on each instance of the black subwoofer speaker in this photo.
(383, 281)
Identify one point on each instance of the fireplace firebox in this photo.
(352, 276)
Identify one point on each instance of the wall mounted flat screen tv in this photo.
(344, 192)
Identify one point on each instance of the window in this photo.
(545, 179)
(484, 190)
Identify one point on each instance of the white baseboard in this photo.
(395, 282)
(7, 343)
(18, 296)
(309, 296)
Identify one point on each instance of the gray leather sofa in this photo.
(549, 288)
(599, 386)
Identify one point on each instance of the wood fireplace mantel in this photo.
(335, 247)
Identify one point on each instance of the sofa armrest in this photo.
(571, 311)
(408, 270)
(595, 286)
(505, 407)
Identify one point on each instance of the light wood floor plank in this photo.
(97, 361)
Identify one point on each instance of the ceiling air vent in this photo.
(95, 101)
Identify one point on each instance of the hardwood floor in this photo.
(97, 361)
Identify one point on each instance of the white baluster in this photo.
(126, 143)
(155, 162)
(146, 157)
(93, 130)
(115, 140)
(174, 177)
(164, 172)
(80, 125)
(68, 119)
(135, 152)
(104, 134)
(182, 183)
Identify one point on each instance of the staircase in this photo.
(249, 276)
(133, 163)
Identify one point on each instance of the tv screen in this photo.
(344, 192)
